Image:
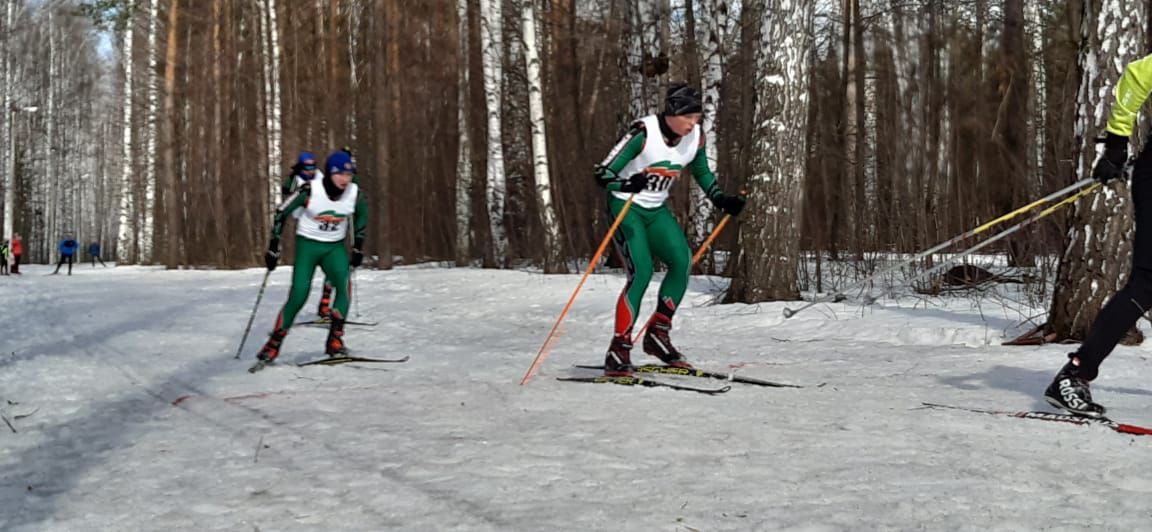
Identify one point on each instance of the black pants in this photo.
(63, 259)
(3, 265)
(16, 264)
(1124, 309)
(97, 258)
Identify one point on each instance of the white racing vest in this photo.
(662, 163)
(324, 219)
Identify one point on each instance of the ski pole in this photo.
(542, 354)
(695, 258)
(1077, 186)
(1028, 221)
(259, 296)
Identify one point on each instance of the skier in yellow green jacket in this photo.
(1070, 389)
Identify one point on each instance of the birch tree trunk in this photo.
(125, 249)
(270, 35)
(1098, 256)
(495, 188)
(768, 249)
(9, 116)
(464, 175)
(715, 16)
(147, 230)
(553, 260)
(633, 67)
(1037, 98)
(54, 190)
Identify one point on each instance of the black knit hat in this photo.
(682, 99)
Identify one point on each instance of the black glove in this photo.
(1111, 165)
(356, 259)
(272, 256)
(637, 183)
(731, 205)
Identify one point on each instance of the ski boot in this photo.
(270, 351)
(618, 361)
(334, 345)
(1070, 391)
(657, 343)
(325, 308)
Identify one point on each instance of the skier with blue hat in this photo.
(304, 171)
(328, 207)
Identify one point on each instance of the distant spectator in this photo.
(94, 252)
(17, 252)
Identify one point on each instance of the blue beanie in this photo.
(306, 156)
(339, 161)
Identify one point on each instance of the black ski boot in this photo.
(618, 361)
(271, 349)
(1070, 392)
(658, 344)
(325, 308)
(334, 346)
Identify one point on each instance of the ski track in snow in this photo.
(141, 419)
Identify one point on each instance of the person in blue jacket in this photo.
(68, 248)
(94, 252)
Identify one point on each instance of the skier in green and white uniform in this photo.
(326, 207)
(644, 165)
(305, 172)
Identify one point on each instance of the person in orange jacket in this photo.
(17, 251)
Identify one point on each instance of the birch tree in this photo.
(634, 60)
(464, 149)
(125, 242)
(149, 206)
(1097, 258)
(270, 36)
(53, 190)
(9, 115)
(715, 16)
(1034, 29)
(553, 261)
(768, 249)
(495, 188)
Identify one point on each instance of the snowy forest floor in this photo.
(141, 419)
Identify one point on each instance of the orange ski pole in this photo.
(695, 258)
(543, 353)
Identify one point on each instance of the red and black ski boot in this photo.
(657, 343)
(334, 346)
(325, 308)
(618, 361)
(271, 349)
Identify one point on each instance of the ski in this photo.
(637, 381)
(345, 359)
(1073, 419)
(702, 373)
(259, 365)
(324, 322)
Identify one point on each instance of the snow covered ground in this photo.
(141, 419)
